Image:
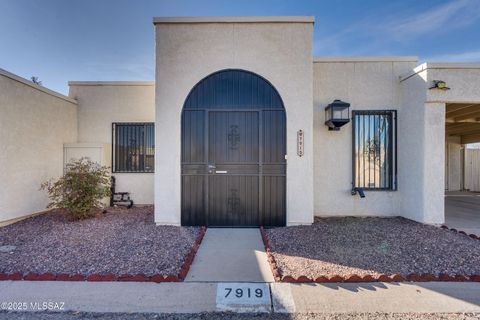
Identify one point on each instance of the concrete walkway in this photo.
(231, 255)
(131, 297)
(462, 211)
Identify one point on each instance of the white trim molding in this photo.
(111, 83)
(439, 65)
(238, 19)
(365, 59)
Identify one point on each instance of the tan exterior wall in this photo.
(187, 52)
(34, 124)
(102, 103)
(367, 84)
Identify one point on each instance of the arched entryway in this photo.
(233, 152)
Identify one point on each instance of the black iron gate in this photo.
(233, 152)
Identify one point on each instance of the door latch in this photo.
(211, 168)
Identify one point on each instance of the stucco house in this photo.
(241, 127)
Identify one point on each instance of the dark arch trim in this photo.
(233, 89)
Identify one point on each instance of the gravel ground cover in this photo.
(234, 316)
(122, 241)
(372, 246)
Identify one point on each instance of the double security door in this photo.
(234, 167)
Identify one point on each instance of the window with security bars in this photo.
(374, 149)
(133, 147)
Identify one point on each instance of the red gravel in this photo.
(372, 246)
(119, 242)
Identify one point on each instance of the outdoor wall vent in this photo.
(337, 114)
(439, 84)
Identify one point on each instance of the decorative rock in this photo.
(7, 249)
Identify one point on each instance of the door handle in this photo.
(211, 168)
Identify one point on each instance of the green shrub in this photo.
(80, 190)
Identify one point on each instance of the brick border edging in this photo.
(353, 278)
(95, 277)
(271, 259)
(471, 235)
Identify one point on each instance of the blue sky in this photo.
(59, 40)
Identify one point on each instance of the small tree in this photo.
(80, 190)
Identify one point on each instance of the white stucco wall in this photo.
(423, 200)
(370, 83)
(34, 124)
(187, 51)
(102, 103)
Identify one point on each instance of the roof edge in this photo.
(236, 19)
(366, 59)
(111, 83)
(438, 65)
(29, 83)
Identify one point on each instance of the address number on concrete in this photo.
(243, 297)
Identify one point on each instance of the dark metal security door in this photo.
(233, 152)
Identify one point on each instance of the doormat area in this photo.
(355, 249)
(122, 245)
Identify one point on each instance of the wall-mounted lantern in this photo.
(337, 114)
(439, 84)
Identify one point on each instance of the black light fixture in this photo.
(337, 114)
(439, 84)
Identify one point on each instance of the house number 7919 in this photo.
(300, 137)
(239, 292)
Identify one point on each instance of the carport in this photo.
(462, 174)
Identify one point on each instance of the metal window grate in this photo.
(374, 149)
(133, 147)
